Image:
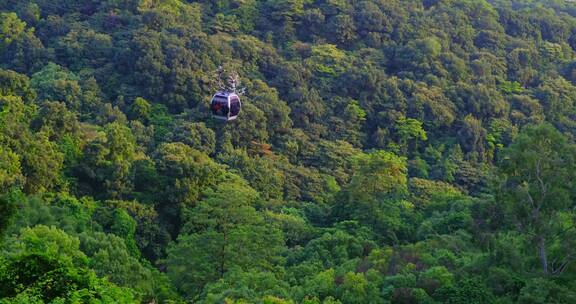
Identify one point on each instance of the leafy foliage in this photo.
(387, 152)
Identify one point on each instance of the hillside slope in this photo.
(388, 151)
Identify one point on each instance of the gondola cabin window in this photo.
(234, 106)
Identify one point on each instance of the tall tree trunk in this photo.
(223, 255)
(542, 253)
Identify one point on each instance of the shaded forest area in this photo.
(388, 151)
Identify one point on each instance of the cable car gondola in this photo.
(225, 106)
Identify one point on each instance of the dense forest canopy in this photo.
(388, 151)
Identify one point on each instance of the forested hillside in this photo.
(388, 151)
